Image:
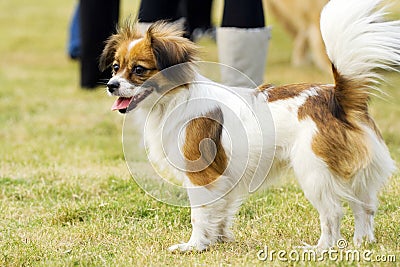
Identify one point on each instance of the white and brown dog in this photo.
(323, 132)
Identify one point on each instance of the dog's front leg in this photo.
(204, 231)
(210, 218)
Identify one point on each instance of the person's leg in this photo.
(74, 42)
(243, 14)
(153, 10)
(98, 19)
(198, 15)
(242, 42)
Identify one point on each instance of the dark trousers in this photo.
(196, 12)
(237, 13)
(98, 20)
(243, 14)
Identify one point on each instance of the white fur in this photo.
(357, 38)
(133, 43)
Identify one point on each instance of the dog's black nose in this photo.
(112, 86)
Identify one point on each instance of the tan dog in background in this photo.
(301, 20)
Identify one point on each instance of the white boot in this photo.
(244, 50)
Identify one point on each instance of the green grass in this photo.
(66, 195)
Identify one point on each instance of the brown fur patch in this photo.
(284, 92)
(340, 141)
(139, 55)
(352, 95)
(338, 112)
(169, 46)
(265, 87)
(125, 34)
(201, 154)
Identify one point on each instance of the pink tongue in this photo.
(121, 103)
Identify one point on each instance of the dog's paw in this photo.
(359, 241)
(228, 237)
(187, 247)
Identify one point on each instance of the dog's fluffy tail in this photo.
(358, 41)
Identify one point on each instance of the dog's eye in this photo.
(115, 67)
(138, 70)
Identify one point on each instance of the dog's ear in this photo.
(168, 44)
(107, 56)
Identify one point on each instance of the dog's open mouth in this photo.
(126, 104)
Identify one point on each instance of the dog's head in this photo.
(135, 58)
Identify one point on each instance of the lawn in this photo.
(66, 195)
